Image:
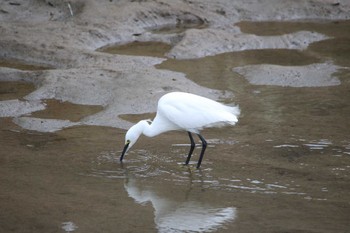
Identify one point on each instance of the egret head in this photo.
(131, 137)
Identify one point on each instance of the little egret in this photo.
(186, 112)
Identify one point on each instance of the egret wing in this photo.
(193, 112)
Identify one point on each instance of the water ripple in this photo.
(143, 164)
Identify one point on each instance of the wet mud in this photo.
(153, 49)
(283, 168)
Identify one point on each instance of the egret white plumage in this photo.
(186, 112)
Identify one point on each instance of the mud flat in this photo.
(65, 104)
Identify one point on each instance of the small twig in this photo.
(70, 9)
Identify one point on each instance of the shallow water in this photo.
(153, 49)
(72, 112)
(20, 65)
(15, 90)
(284, 168)
(179, 28)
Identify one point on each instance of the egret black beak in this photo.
(124, 151)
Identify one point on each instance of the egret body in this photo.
(186, 112)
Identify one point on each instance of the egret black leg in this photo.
(192, 148)
(204, 146)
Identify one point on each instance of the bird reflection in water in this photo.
(174, 215)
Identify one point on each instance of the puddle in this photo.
(153, 49)
(14, 64)
(72, 112)
(269, 28)
(15, 90)
(336, 48)
(12, 102)
(179, 28)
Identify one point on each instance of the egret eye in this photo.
(127, 141)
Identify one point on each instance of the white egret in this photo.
(186, 112)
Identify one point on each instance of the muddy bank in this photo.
(64, 36)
